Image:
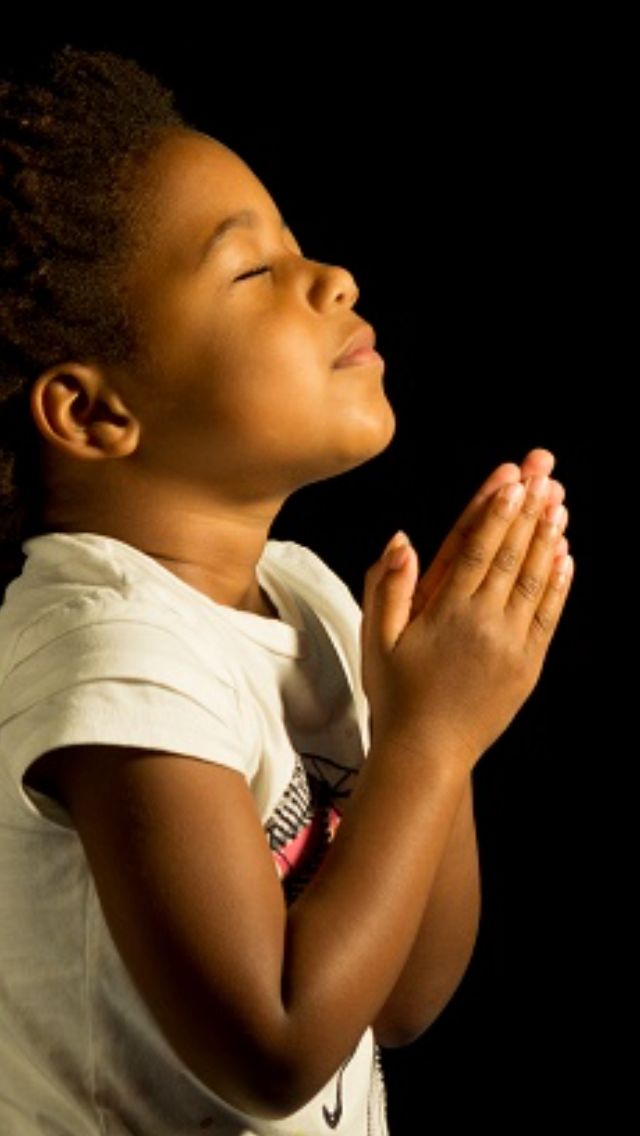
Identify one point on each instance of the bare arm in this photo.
(449, 927)
(446, 937)
(263, 1004)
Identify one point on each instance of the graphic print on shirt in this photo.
(299, 832)
(333, 1116)
(306, 819)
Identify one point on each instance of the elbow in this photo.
(292, 1079)
(282, 1088)
(397, 1026)
(395, 1033)
(403, 1022)
(270, 1086)
(400, 1034)
(270, 1068)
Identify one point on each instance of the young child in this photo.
(236, 829)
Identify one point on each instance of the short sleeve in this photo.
(129, 682)
(332, 601)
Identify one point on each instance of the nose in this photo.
(332, 284)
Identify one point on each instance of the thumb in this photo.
(389, 595)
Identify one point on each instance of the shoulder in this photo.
(102, 651)
(88, 607)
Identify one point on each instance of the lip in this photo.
(359, 349)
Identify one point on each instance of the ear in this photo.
(78, 411)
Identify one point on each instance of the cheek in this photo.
(240, 376)
(284, 343)
(268, 373)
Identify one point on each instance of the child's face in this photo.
(241, 395)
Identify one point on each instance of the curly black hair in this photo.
(75, 132)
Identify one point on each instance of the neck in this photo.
(214, 546)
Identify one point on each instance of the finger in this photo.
(558, 515)
(540, 561)
(504, 474)
(526, 550)
(546, 614)
(507, 473)
(388, 589)
(501, 475)
(392, 603)
(540, 462)
(557, 492)
(537, 462)
(482, 540)
(562, 548)
(375, 572)
(532, 576)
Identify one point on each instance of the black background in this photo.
(457, 175)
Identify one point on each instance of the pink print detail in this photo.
(302, 846)
(305, 819)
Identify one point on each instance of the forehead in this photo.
(192, 181)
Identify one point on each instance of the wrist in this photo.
(439, 748)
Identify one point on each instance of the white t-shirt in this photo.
(100, 643)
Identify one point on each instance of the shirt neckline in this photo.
(287, 635)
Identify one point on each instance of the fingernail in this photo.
(564, 569)
(538, 485)
(558, 487)
(554, 514)
(397, 557)
(512, 493)
(398, 540)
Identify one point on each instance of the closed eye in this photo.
(254, 272)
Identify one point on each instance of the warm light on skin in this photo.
(238, 405)
(244, 365)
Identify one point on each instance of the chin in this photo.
(360, 438)
(371, 438)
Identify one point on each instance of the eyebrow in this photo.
(243, 219)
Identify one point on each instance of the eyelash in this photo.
(254, 271)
